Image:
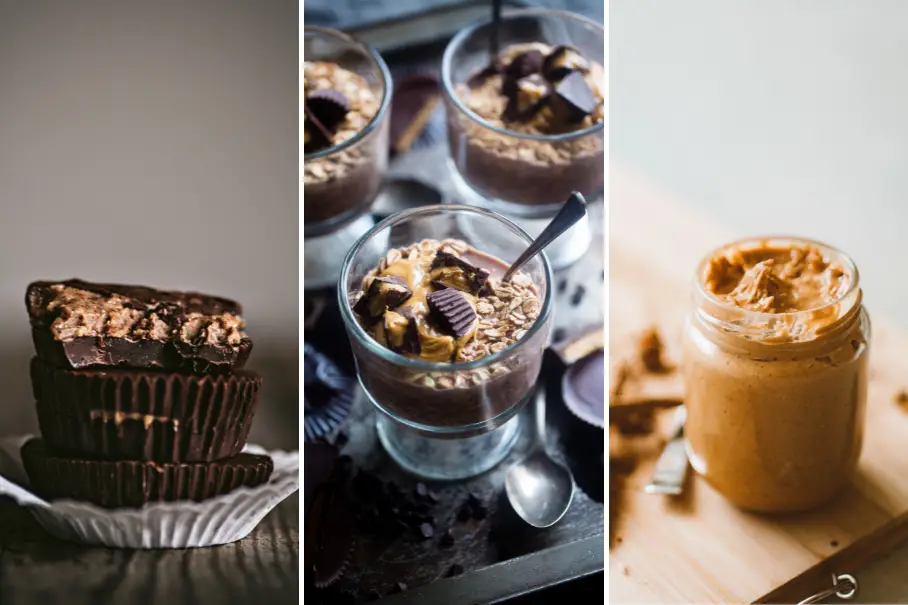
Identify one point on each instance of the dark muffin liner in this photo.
(328, 395)
(132, 484)
(144, 415)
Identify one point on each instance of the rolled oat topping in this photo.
(337, 99)
(456, 317)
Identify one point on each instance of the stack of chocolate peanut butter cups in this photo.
(141, 396)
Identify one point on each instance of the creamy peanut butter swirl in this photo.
(777, 279)
(502, 312)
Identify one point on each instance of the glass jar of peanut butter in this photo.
(775, 371)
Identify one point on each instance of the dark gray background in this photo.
(355, 13)
(153, 142)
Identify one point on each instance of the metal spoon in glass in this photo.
(539, 489)
(572, 211)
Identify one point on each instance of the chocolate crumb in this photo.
(398, 588)
(650, 348)
(455, 570)
(577, 296)
(447, 539)
(559, 335)
(562, 286)
(901, 399)
(465, 513)
(421, 490)
(373, 595)
(834, 543)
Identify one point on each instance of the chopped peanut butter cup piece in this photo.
(383, 293)
(451, 312)
(574, 97)
(469, 277)
(329, 106)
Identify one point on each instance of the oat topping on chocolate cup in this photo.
(78, 324)
(436, 302)
(532, 73)
(338, 104)
(341, 100)
(537, 90)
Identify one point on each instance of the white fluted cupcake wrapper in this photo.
(220, 520)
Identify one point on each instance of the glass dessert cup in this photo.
(776, 401)
(447, 420)
(524, 176)
(341, 181)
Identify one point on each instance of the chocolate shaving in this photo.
(477, 276)
(329, 107)
(451, 312)
(575, 97)
(383, 293)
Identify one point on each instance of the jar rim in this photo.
(753, 324)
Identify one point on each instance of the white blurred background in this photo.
(153, 142)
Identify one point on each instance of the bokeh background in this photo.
(153, 143)
(774, 117)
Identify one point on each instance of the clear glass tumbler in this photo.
(524, 176)
(340, 182)
(447, 420)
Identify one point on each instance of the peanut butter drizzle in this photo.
(119, 417)
(777, 279)
(434, 345)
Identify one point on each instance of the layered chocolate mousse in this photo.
(338, 104)
(539, 90)
(444, 302)
(775, 370)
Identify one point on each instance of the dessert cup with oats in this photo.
(346, 94)
(446, 352)
(526, 127)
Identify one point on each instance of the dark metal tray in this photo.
(519, 559)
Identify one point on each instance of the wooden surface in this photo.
(698, 548)
(36, 569)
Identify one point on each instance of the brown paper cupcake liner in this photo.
(144, 415)
(131, 484)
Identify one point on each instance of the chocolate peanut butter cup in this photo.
(116, 484)
(77, 324)
(141, 415)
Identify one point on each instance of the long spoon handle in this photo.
(573, 210)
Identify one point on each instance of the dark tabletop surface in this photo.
(36, 569)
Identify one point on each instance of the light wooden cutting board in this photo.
(700, 549)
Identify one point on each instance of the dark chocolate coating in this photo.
(169, 354)
(115, 414)
(131, 484)
(36, 298)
